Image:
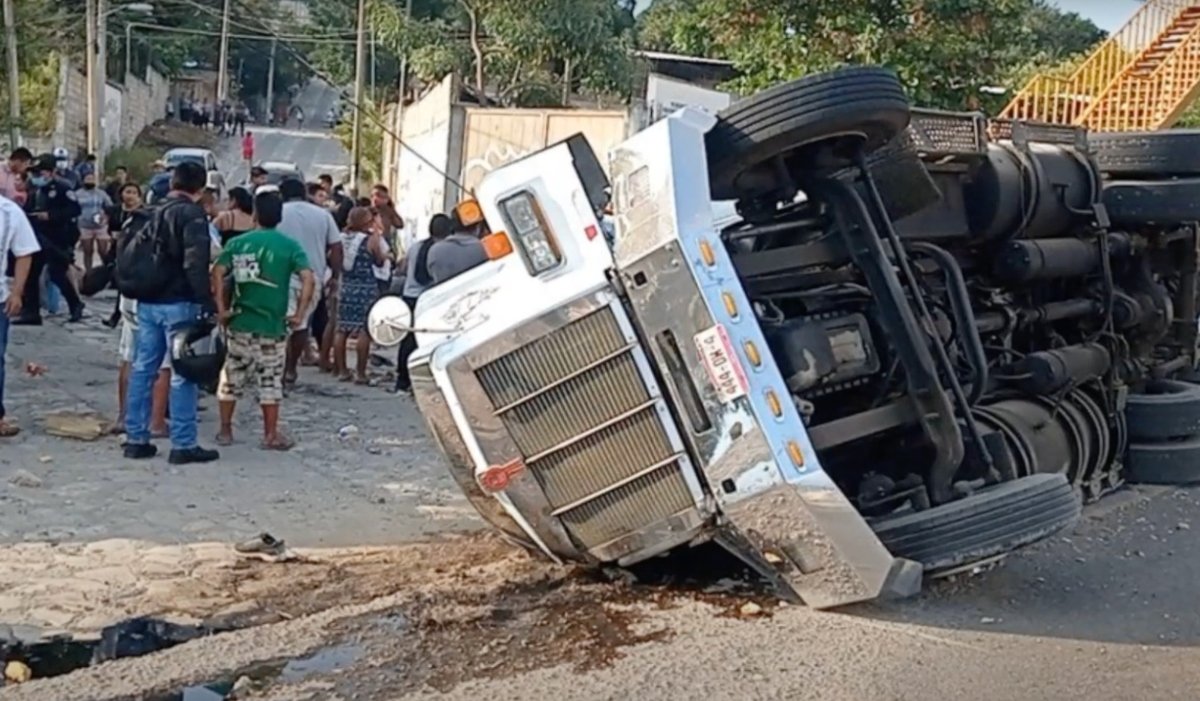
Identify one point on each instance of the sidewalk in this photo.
(382, 484)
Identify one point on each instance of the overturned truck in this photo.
(924, 341)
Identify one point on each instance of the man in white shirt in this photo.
(17, 238)
(314, 229)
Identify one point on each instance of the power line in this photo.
(257, 37)
(370, 115)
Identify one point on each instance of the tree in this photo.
(944, 50)
(526, 52)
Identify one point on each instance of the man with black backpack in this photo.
(163, 263)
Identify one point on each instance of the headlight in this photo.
(528, 228)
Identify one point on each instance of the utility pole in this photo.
(271, 83)
(372, 64)
(360, 58)
(222, 78)
(14, 82)
(101, 65)
(399, 127)
(93, 111)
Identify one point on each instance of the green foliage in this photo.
(520, 49)
(39, 96)
(371, 135)
(139, 160)
(944, 50)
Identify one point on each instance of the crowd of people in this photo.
(225, 118)
(288, 272)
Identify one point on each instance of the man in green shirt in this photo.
(254, 311)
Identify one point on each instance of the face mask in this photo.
(89, 186)
(39, 181)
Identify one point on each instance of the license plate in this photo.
(724, 369)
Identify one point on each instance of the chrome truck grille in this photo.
(589, 428)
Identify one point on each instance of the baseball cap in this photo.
(46, 161)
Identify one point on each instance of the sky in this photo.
(1107, 14)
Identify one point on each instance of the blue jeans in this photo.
(155, 324)
(51, 297)
(3, 350)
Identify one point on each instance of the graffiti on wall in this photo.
(496, 154)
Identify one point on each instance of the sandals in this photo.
(261, 544)
(281, 444)
(224, 439)
(8, 430)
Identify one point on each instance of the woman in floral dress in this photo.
(363, 246)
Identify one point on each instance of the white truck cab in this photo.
(596, 402)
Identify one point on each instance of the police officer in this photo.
(53, 211)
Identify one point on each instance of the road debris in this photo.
(80, 426)
(17, 672)
(25, 478)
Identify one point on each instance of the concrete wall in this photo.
(495, 137)
(417, 181)
(466, 142)
(145, 102)
(128, 108)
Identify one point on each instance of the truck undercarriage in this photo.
(927, 339)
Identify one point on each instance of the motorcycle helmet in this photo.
(198, 354)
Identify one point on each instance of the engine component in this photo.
(934, 411)
(992, 521)
(1046, 259)
(990, 322)
(1040, 191)
(823, 352)
(1153, 154)
(1046, 372)
(1142, 203)
(1041, 439)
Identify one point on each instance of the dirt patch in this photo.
(79, 588)
(578, 619)
(165, 135)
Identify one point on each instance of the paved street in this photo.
(311, 148)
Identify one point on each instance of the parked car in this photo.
(204, 157)
(278, 171)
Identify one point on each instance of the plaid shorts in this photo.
(252, 360)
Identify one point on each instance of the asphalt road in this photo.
(313, 148)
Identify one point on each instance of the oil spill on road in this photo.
(324, 661)
(579, 619)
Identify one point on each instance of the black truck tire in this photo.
(1140, 202)
(990, 522)
(1148, 154)
(749, 135)
(1164, 463)
(1165, 409)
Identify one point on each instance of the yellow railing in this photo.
(1152, 101)
(1063, 100)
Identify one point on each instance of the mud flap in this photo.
(780, 512)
